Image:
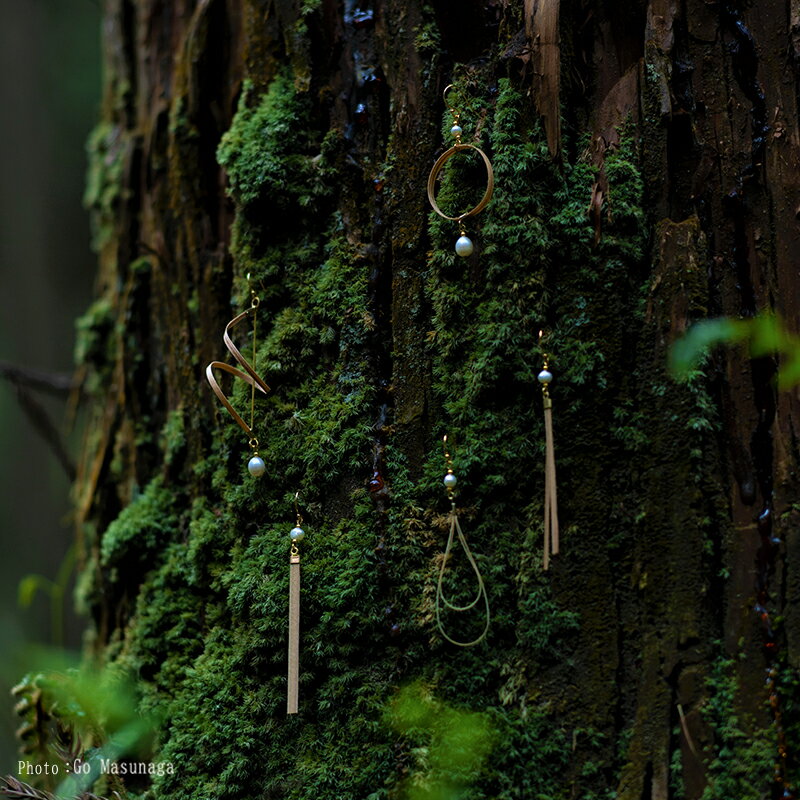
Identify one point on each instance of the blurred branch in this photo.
(44, 425)
(54, 383)
(17, 790)
(23, 380)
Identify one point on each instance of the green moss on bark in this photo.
(561, 674)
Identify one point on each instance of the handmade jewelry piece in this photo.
(296, 535)
(450, 482)
(464, 246)
(551, 544)
(256, 464)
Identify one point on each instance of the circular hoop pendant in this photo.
(437, 168)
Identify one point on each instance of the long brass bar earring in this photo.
(551, 543)
(296, 535)
(256, 464)
(450, 482)
(464, 245)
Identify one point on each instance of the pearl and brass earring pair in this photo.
(464, 246)
(442, 602)
(255, 465)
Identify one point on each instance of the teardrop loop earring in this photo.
(248, 374)
(450, 482)
(464, 246)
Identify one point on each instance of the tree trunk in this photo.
(645, 159)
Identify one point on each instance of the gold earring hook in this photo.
(254, 298)
(448, 459)
(544, 354)
(456, 114)
(297, 509)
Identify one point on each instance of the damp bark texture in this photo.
(646, 159)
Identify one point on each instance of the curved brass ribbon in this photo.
(551, 538)
(437, 168)
(440, 596)
(249, 375)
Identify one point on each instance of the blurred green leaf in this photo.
(789, 374)
(457, 743)
(687, 351)
(100, 707)
(766, 335)
(28, 587)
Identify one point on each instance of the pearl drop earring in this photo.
(297, 534)
(551, 536)
(464, 246)
(255, 465)
(450, 481)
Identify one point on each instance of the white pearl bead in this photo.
(456, 130)
(545, 376)
(450, 480)
(464, 246)
(297, 534)
(256, 466)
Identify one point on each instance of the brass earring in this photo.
(450, 482)
(248, 374)
(296, 535)
(551, 534)
(464, 245)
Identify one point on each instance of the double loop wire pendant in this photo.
(450, 482)
(464, 246)
(248, 374)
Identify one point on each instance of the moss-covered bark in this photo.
(292, 141)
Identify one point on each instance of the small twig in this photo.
(685, 729)
(44, 425)
(17, 790)
(24, 379)
(52, 382)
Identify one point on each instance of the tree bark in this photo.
(292, 142)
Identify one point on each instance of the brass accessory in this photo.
(248, 375)
(551, 531)
(450, 482)
(296, 535)
(437, 168)
(464, 246)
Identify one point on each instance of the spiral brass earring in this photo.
(450, 481)
(255, 465)
(464, 246)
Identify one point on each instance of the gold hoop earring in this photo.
(255, 465)
(464, 246)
